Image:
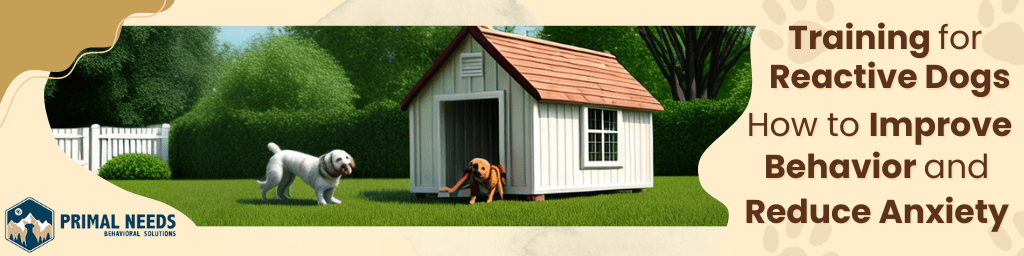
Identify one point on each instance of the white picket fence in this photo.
(93, 146)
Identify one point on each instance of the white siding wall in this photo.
(559, 152)
(519, 105)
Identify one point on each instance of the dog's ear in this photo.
(501, 172)
(352, 164)
(496, 168)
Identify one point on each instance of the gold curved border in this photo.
(117, 34)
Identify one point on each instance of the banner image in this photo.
(410, 127)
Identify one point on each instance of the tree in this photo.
(280, 89)
(283, 73)
(382, 62)
(506, 29)
(623, 42)
(696, 60)
(151, 76)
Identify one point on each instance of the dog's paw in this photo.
(1004, 240)
(998, 42)
(777, 13)
(818, 236)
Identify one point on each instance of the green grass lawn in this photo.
(674, 201)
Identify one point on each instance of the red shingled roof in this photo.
(552, 71)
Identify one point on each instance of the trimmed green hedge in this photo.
(135, 167)
(685, 129)
(235, 145)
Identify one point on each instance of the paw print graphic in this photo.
(794, 247)
(824, 11)
(999, 43)
(1002, 239)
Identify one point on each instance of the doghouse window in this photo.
(601, 134)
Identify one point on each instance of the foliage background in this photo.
(151, 76)
(288, 91)
(383, 61)
(314, 89)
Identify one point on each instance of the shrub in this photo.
(685, 129)
(135, 167)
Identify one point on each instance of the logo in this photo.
(29, 224)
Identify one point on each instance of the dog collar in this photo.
(326, 170)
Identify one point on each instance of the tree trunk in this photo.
(695, 60)
(677, 90)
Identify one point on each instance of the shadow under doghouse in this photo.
(405, 196)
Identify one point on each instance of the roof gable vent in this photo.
(472, 64)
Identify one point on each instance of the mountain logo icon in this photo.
(29, 224)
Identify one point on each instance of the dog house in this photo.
(560, 118)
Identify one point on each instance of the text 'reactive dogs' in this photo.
(484, 173)
(322, 173)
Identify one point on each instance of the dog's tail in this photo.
(273, 148)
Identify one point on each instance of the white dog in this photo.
(322, 173)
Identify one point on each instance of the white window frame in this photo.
(585, 132)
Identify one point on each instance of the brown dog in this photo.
(484, 173)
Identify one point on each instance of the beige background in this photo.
(731, 170)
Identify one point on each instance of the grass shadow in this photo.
(404, 196)
(563, 196)
(258, 201)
